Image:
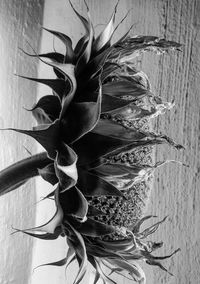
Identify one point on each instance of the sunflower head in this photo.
(95, 129)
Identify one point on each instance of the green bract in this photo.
(95, 131)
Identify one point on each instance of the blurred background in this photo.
(173, 76)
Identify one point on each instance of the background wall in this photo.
(20, 21)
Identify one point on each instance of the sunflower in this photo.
(95, 128)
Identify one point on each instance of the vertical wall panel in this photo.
(20, 22)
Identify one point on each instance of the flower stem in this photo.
(17, 174)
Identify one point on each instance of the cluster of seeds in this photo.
(141, 155)
(141, 124)
(121, 212)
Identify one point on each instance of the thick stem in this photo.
(18, 173)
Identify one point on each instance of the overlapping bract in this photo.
(99, 101)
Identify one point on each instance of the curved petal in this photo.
(47, 109)
(59, 86)
(94, 228)
(106, 35)
(93, 185)
(74, 204)
(85, 56)
(69, 55)
(81, 253)
(55, 56)
(65, 167)
(48, 136)
(132, 267)
(100, 145)
(48, 173)
(54, 222)
(80, 119)
(112, 129)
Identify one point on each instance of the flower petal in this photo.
(106, 35)
(65, 167)
(54, 222)
(80, 119)
(69, 55)
(48, 173)
(48, 136)
(59, 86)
(74, 204)
(92, 185)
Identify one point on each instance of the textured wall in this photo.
(19, 22)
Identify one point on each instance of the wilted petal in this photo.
(112, 129)
(131, 267)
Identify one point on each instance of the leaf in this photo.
(59, 86)
(80, 250)
(110, 103)
(98, 251)
(94, 228)
(92, 185)
(69, 55)
(80, 46)
(85, 56)
(132, 268)
(100, 145)
(51, 226)
(80, 119)
(137, 226)
(97, 277)
(50, 105)
(85, 22)
(106, 35)
(46, 236)
(67, 70)
(55, 263)
(131, 47)
(150, 256)
(55, 56)
(109, 68)
(151, 229)
(118, 245)
(115, 130)
(48, 174)
(124, 87)
(41, 117)
(93, 68)
(156, 263)
(117, 170)
(74, 204)
(48, 137)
